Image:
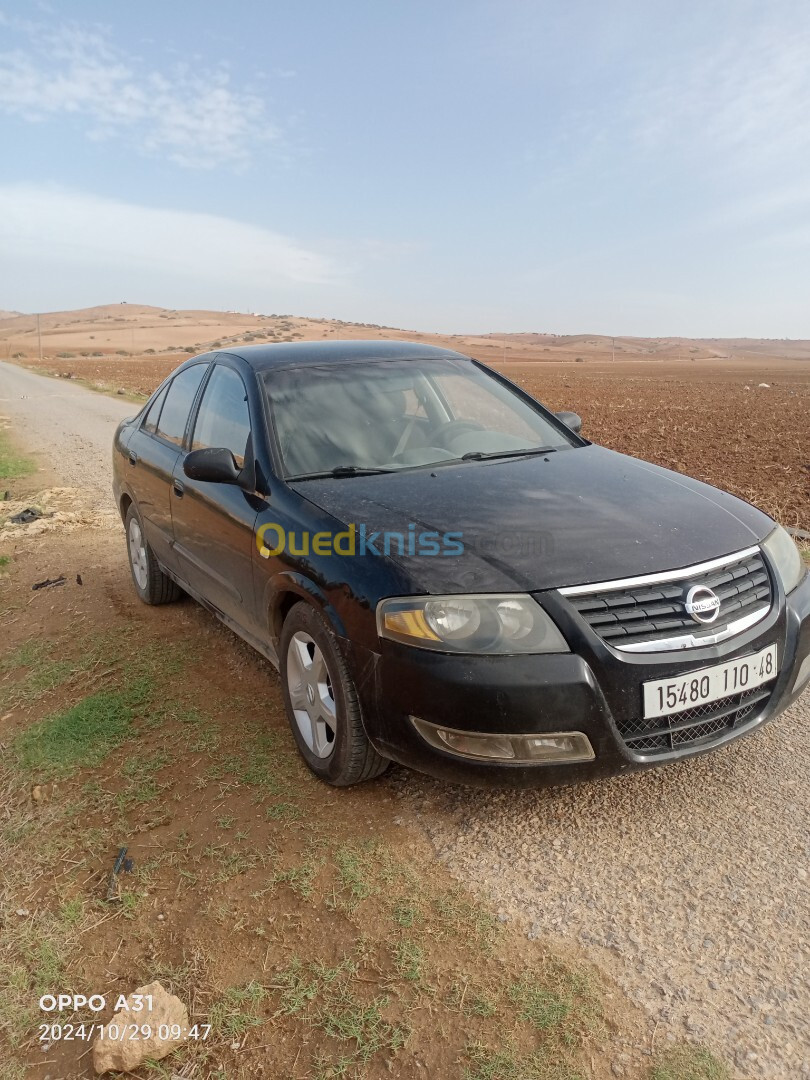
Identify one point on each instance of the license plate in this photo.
(662, 697)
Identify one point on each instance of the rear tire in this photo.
(322, 703)
(151, 584)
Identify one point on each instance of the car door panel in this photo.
(154, 464)
(214, 523)
(152, 455)
(214, 529)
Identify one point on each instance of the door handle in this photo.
(133, 458)
(178, 489)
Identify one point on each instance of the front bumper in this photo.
(592, 689)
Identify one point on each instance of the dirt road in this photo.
(688, 884)
(68, 427)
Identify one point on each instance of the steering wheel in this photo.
(452, 428)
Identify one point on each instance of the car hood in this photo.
(572, 517)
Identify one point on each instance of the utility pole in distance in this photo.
(39, 339)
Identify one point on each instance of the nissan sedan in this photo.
(448, 575)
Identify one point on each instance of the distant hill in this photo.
(139, 330)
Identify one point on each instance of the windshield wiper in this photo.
(483, 455)
(340, 471)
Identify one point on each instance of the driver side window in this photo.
(224, 418)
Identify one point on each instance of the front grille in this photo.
(650, 612)
(692, 727)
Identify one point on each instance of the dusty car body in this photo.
(527, 607)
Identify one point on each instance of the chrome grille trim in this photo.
(689, 641)
(665, 575)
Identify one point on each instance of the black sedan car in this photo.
(448, 575)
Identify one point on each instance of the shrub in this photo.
(66, 355)
(17, 355)
(148, 351)
(121, 352)
(189, 349)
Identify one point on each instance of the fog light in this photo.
(548, 748)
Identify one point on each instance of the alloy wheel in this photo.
(311, 694)
(137, 554)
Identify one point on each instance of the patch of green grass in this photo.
(236, 862)
(689, 1063)
(237, 1010)
(355, 867)
(43, 673)
(406, 912)
(262, 765)
(283, 811)
(471, 1000)
(331, 999)
(540, 1006)
(408, 958)
(33, 960)
(140, 772)
(98, 653)
(78, 737)
(299, 985)
(5, 562)
(13, 465)
(129, 904)
(459, 914)
(508, 1063)
(71, 911)
(559, 1001)
(300, 878)
(201, 731)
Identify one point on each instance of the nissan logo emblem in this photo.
(702, 604)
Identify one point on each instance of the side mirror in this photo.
(570, 419)
(213, 466)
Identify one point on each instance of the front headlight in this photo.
(491, 623)
(786, 557)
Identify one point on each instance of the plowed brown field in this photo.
(708, 418)
(753, 442)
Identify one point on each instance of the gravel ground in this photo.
(687, 883)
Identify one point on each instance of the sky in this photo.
(633, 167)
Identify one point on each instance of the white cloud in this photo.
(197, 121)
(111, 246)
(742, 99)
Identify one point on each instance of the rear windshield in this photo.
(399, 414)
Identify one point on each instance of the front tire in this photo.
(322, 703)
(151, 584)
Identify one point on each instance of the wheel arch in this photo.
(285, 590)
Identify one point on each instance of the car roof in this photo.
(287, 354)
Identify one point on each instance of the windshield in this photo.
(399, 414)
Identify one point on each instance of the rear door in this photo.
(152, 454)
(214, 524)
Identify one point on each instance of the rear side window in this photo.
(179, 399)
(151, 420)
(224, 418)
